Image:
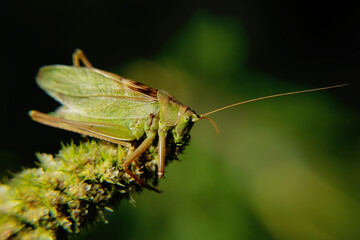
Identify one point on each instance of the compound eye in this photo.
(186, 118)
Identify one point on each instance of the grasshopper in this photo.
(104, 105)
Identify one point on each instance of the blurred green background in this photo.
(285, 168)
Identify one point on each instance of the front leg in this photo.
(162, 152)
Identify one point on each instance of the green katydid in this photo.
(109, 107)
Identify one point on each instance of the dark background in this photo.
(305, 43)
(301, 41)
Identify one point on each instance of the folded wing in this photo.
(98, 94)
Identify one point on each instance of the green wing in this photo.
(98, 94)
(103, 130)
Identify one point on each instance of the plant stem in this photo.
(70, 190)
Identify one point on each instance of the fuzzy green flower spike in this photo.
(71, 189)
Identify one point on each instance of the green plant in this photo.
(69, 190)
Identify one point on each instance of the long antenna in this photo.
(271, 96)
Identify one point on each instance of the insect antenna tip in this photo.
(212, 122)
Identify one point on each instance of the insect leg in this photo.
(80, 56)
(74, 126)
(162, 152)
(135, 154)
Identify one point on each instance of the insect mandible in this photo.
(109, 107)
